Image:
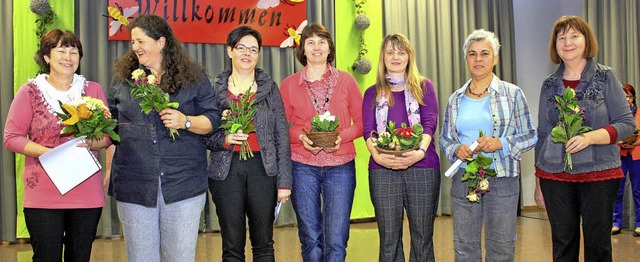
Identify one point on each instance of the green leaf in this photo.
(559, 135)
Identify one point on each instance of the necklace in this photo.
(477, 94)
(233, 81)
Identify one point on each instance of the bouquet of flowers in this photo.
(145, 87)
(324, 130)
(477, 173)
(239, 116)
(87, 117)
(632, 138)
(570, 122)
(398, 140)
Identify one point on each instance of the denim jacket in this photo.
(146, 154)
(600, 94)
(272, 131)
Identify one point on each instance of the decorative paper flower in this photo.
(39, 7)
(362, 22)
(362, 66)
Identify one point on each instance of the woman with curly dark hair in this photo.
(160, 183)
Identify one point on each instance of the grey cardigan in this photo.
(600, 94)
(272, 131)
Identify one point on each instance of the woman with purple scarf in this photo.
(409, 182)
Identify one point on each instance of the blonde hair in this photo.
(413, 78)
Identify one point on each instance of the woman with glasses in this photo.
(324, 178)
(249, 188)
(630, 157)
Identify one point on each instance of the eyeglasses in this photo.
(243, 49)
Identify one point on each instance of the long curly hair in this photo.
(178, 67)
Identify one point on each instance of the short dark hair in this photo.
(322, 32)
(234, 36)
(562, 25)
(50, 41)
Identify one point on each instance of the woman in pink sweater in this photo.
(33, 128)
(323, 178)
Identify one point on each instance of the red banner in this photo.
(210, 21)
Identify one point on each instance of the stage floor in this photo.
(534, 243)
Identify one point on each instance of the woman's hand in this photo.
(577, 143)
(307, 143)
(409, 159)
(463, 152)
(236, 139)
(172, 118)
(488, 144)
(94, 144)
(386, 160)
(283, 195)
(335, 148)
(537, 195)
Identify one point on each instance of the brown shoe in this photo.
(617, 230)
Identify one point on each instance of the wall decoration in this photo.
(210, 21)
(362, 65)
(45, 17)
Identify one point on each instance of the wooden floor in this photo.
(534, 243)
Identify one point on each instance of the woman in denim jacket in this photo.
(159, 182)
(249, 187)
(585, 193)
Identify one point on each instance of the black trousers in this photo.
(50, 229)
(568, 204)
(246, 192)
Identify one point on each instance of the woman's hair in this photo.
(629, 89)
(179, 69)
(322, 32)
(50, 41)
(411, 74)
(234, 36)
(562, 25)
(479, 35)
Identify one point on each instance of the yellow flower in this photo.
(83, 111)
(473, 197)
(138, 74)
(152, 79)
(74, 115)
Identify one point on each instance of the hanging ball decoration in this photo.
(362, 22)
(40, 7)
(363, 66)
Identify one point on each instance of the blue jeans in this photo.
(322, 198)
(169, 228)
(497, 210)
(632, 168)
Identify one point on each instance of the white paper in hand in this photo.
(69, 165)
(277, 211)
(452, 170)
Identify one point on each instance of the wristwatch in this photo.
(187, 124)
(423, 150)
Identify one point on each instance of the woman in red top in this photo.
(33, 128)
(323, 178)
(630, 157)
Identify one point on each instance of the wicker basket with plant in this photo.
(398, 140)
(324, 130)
